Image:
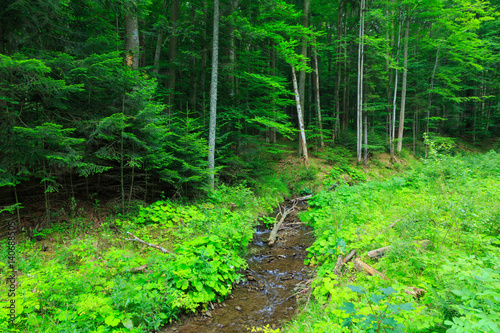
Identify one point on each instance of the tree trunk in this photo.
(318, 105)
(172, 54)
(159, 43)
(336, 125)
(132, 41)
(302, 73)
(395, 96)
(429, 102)
(299, 114)
(213, 95)
(403, 88)
(359, 118)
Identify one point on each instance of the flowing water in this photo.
(266, 296)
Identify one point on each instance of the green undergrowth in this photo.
(102, 282)
(452, 202)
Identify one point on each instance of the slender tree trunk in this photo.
(232, 52)
(204, 63)
(273, 73)
(403, 88)
(300, 117)
(429, 102)
(318, 104)
(365, 139)
(132, 41)
(172, 54)
(213, 95)
(393, 127)
(359, 118)
(159, 43)
(336, 124)
(302, 73)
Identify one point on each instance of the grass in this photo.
(450, 201)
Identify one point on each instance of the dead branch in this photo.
(375, 254)
(417, 293)
(137, 239)
(299, 199)
(361, 266)
(338, 266)
(349, 256)
(274, 232)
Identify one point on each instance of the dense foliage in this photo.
(450, 201)
(110, 98)
(104, 283)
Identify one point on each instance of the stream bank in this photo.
(266, 294)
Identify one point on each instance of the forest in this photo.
(183, 124)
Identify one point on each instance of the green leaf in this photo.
(348, 308)
(128, 323)
(112, 321)
(359, 290)
(388, 291)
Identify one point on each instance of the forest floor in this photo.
(90, 275)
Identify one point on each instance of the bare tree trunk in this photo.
(429, 103)
(132, 41)
(365, 139)
(213, 95)
(172, 54)
(299, 114)
(204, 63)
(403, 88)
(393, 127)
(359, 118)
(273, 73)
(159, 42)
(318, 105)
(336, 125)
(302, 73)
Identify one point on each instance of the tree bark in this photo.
(395, 96)
(172, 53)
(359, 118)
(361, 266)
(132, 41)
(318, 105)
(302, 72)
(429, 102)
(300, 118)
(336, 125)
(403, 88)
(213, 95)
(159, 43)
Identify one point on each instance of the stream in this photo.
(267, 293)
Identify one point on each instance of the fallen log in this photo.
(361, 266)
(338, 266)
(375, 254)
(349, 256)
(137, 239)
(299, 199)
(274, 232)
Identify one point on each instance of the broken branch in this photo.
(137, 239)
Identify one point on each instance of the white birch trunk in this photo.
(395, 97)
(299, 114)
(213, 95)
(403, 88)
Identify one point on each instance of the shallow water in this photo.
(266, 294)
